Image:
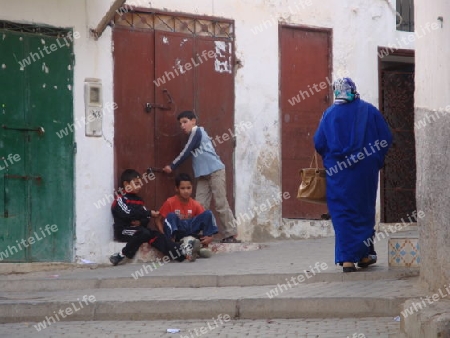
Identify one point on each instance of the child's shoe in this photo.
(205, 253)
(116, 259)
(190, 247)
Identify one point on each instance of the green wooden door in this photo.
(36, 182)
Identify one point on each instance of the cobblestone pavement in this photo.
(215, 327)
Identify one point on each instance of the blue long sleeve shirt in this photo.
(205, 160)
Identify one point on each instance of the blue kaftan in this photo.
(353, 139)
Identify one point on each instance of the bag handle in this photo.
(314, 159)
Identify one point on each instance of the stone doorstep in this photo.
(147, 254)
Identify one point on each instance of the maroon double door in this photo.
(165, 64)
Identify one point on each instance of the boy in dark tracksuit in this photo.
(131, 218)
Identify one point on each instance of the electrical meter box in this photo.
(93, 99)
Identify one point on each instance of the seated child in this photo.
(131, 218)
(183, 216)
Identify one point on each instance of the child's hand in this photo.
(154, 213)
(167, 169)
(135, 223)
(205, 240)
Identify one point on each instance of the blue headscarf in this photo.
(345, 89)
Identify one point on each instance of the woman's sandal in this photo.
(351, 268)
(366, 261)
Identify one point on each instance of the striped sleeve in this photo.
(193, 142)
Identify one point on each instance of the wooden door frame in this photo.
(390, 52)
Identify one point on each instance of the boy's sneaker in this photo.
(116, 259)
(205, 253)
(190, 247)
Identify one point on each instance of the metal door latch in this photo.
(150, 106)
(39, 130)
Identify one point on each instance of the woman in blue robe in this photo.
(353, 139)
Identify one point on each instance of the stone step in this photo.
(148, 254)
(141, 276)
(314, 300)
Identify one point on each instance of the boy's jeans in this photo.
(214, 186)
(204, 222)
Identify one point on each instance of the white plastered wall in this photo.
(359, 27)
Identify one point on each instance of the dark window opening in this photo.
(34, 29)
(405, 15)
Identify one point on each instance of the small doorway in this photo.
(398, 177)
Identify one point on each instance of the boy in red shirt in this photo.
(131, 218)
(181, 216)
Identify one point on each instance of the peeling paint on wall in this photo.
(222, 61)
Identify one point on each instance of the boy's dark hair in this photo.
(128, 175)
(190, 115)
(182, 177)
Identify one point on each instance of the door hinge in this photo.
(74, 148)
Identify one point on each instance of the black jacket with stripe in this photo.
(127, 208)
